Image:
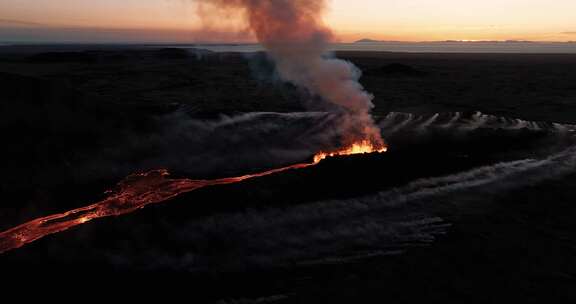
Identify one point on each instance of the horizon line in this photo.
(72, 42)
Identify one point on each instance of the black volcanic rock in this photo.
(395, 69)
(72, 129)
(63, 57)
(172, 53)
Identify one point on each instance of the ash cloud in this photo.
(297, 40)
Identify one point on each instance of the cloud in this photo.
(18, 23)
(11, 30)
(569, 33)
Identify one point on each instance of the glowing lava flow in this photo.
(139, 190)
(361, 147)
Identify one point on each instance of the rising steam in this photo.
(297, 40)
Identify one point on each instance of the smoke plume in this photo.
(297, 40)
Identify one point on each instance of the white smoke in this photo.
(297, 40)
(397, 121)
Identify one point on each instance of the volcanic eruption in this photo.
(297, 41)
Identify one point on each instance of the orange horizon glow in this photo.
(177, 21)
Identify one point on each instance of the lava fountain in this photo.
(142, 189)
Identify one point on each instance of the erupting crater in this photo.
(361, 147)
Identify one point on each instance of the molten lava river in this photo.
(139, 190)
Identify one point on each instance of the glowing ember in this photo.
(140, 190)
(361, 147)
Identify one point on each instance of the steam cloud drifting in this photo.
(297, 40)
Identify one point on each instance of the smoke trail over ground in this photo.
(380, 224)
(268, 140)
(337, 231)
(401, 129)
(297, 40)
(463, 122)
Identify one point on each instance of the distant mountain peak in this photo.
(366, 40)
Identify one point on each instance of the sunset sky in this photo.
(175, 20)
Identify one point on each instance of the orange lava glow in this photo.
(361, 147)
(142, 189)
